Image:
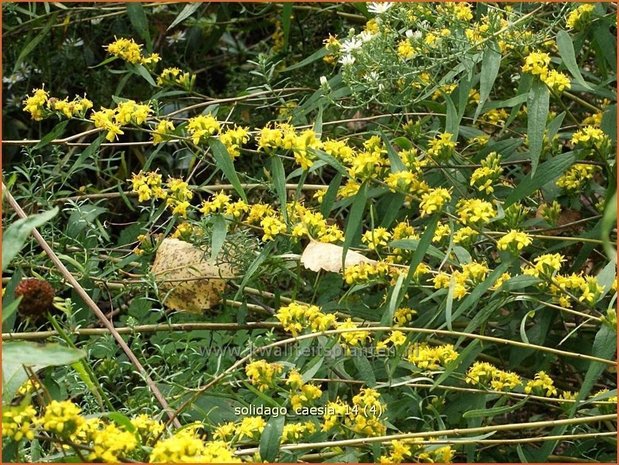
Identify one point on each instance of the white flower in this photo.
(347, 60)
(379, 7)
(351, 45)
(413, 35)
(73, 42)
(372, 76)
(365, 36)
(178, 36)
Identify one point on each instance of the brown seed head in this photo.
(37, 296)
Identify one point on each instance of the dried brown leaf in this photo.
(328, 257)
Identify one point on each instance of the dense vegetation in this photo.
(309, 232)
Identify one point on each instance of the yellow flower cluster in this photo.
(111, 443)
(406, 51)
(371, 162)
(201, 127)
(364, 272)
(590, 136)
(406, 182)
(442, 147)
(547, 264)
(580, 16)
(433, 201)
(430, 358)
(471, 275)
(248, 428)
(18, 422)
(352, 338)
(586, 288)
(313, 225)
(301, 394)
(127, 112)
(40, 105)
(395, 339)
(537, 63)
(475, 212)
(62, 418)
(233, 138)
(284, 136)
(179, 196)
(514, 241)
(541, 385)
(400, 451)
(176, 77)
(263, 374)
(376, 238)
(296, 318)
(485, 176)
(147, 428)
(163, 131)
(148, 185)
(186, 446)
(403, 316)
(293, 432)
(364, 417)
(487, 375)
(129, 51)
(576, 177)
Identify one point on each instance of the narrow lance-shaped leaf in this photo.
(537, 104)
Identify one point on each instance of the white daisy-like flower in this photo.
(372, 76)
(178, 36)
(347, 60)
(413, 35)
(351, 45)
(366, 36)
(73, 42)
(379, 7)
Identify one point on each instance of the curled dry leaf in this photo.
(185, 278)
(320, 256)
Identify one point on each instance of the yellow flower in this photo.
(405, 50)
(475, 211)
(272, 226)
(557, 81)
(128, 50)
(148, 428)
(431, 358)
(251, 427)
(18, 422)
(353, 338)
(589, 136)
(442, 147)
(297, 317)
(217, 204)
(403, 316)
(34, 104)
(293, 432)
(201, 126)
(61, 418)
(580, 16)
(376, 238)
(433, 201)
(576, 177)
(233, 138)
(514, 241)
(263, 374)
(541, 385)
(162, 131)
(111, 444)
(537, 63)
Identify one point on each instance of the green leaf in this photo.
(490, 64)
(16, 355)
(56, 132)
(185, 13)
(548, 172)
(491, 412)
(271, 438)
(142, 71)
(609, 122)
(537, 104)
(317, 55)
(218, 236)
(366, 372)
(279, 180)
(30, 46)
(10, 309)
(566, 51)
(452, 121)
(121, 420)
(16, 234)
(223, 160)
(138, 19)
(355, 219)
(286, 17)
(609, 222)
